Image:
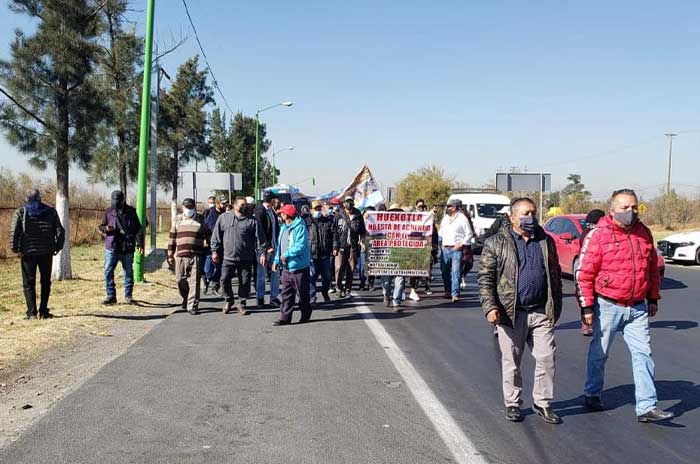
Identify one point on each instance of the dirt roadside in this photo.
(30, 391)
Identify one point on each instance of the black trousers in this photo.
(29, 265)
(243, 270)
(293, 283)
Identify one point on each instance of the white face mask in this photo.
(189, 212)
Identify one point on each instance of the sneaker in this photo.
(463, 284)
(128, 300)
(332, 290)
(109, 301)
(455, 299)
(656, 415)
(414, 296)
(428, 292)
(261, 302)
(46, 315)
(215, 290)
(342, 294)
(193, 311)
(29, 317)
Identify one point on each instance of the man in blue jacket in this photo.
(293, 258)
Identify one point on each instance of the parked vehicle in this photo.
(683, 247)
(483, 208)
(566, 230)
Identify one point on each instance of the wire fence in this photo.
(84, 225)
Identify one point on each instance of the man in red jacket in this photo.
(618, 282)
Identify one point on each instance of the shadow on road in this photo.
(148, 304)
(356, 317)
(672, 284)
(133, 317)
(675, 325)
(685, 392)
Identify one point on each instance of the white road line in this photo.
(461, 447)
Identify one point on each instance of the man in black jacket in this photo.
(269, 230)
(349, 231)
(123, 235)
(321, 238)
(36, 236)
(521, 293)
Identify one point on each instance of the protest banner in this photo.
(398, 243)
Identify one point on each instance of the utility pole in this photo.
(670, 154)
(160, 72)
(143, 139)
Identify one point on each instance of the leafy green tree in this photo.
(116, 156)
(234, 149)
(183, 130)
(54, 106)
(574, 197)
(429, 183)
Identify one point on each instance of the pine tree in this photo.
(55, 107)
(183, 133)
(116, 157)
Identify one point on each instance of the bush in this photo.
(672, 210)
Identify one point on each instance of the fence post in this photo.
(77, 223)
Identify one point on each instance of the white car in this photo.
(684, 246)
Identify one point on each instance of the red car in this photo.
(566, 231)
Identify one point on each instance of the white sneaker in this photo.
(463, 285)
(414, 296)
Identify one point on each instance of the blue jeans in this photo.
(320, 267)
(393, 287)
(451, 266)
(262, 277)
(634, 324)
(212, 271)
(111, 260)
(361, 267)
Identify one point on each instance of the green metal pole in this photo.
(143, 142)
(257, 152)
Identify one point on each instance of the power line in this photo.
(201, 49)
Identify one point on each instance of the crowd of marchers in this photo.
(291, 249)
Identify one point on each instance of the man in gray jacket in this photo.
(236, 241)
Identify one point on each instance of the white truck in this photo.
(483, 207)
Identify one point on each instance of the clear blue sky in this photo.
(469, 86)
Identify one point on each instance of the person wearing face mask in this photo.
(236, 242)
(321, 233)
(618, 286)
(521, 294)
(212, 271)
(186, 253)
(123, 234)
(293, 259)
(349, 231)
(267, 217)
(456, 234)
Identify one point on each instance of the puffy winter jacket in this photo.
(36, 230)
(298, 253)
(320, 237)
(498, 275)
(617, 265)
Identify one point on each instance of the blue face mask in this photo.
(318, 214)
(528, 224)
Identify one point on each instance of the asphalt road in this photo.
(232, 389)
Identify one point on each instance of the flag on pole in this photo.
(364, 189)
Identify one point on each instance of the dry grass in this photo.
(661, 232)
(74, 303)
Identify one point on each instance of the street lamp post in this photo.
(257, 142)
(274, 167)
(670, 153)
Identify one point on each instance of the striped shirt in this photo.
(187, 237)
